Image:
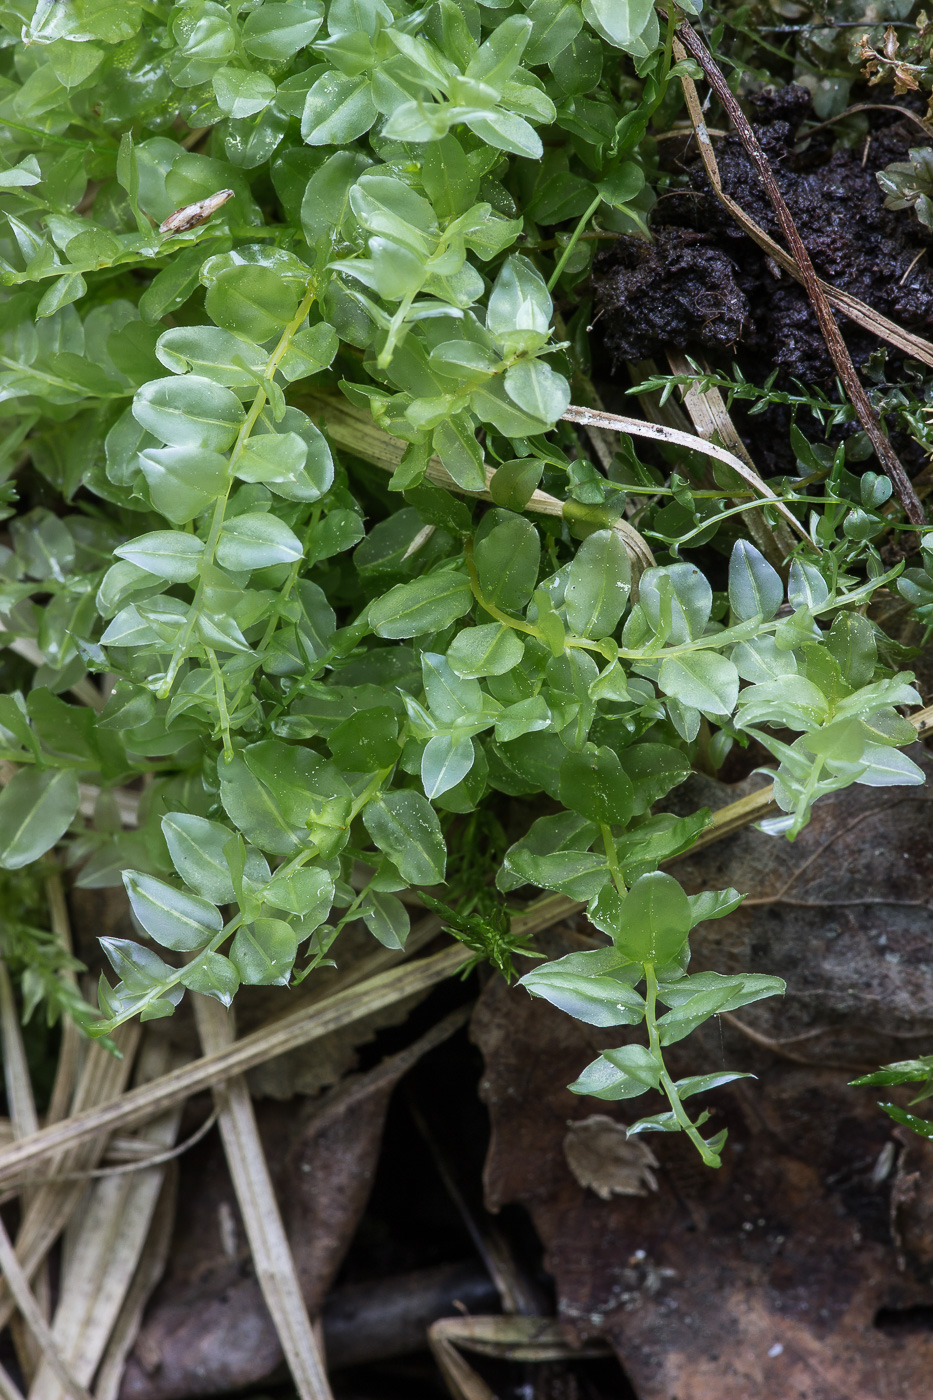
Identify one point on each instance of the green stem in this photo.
(49, 138)
(651, 1012)
(369, 792)
(159, 991)
(220, 506)
(273, 622)
(574, 240)
(803, 805)
(667, 1084)
(518, 624)
(395, 328)
(221, 695)
(612, 858)
(717, 642)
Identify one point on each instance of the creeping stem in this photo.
(220, 506)
(710, 1158)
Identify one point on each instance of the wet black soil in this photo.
(703, 285)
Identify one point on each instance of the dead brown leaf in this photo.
(777, 1276)
(605, 1160)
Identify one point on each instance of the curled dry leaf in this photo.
(194, 214)
(605, 1160)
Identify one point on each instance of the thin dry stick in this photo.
(102, 1078)
(778, 1047)
(151, 1268)
(354, 429)
(307, 1024)
(103, 1246)
(868, 107)
(588, 417)
(837, 347)
(349, 427)
(18, 1285)
(67, 1067)
(298, 1028)
(865, 316)
(23, 1120)
(272, 1257)
(139, 1164)
(711, 419)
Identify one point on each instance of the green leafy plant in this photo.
(35, 955)
(908, 184)
(310, 674)
(650, 926)
(917, 1072)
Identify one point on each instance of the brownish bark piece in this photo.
(207, 1330)
(777, 1276)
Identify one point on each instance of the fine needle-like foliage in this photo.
(315, 674)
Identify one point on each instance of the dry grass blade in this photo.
(922, 721)
(460, 1378)
(298, 1028)
(353, 1003)
(711, 420)
(272, 1257)
(637, 427)
(18, 1285)
(857, 311)
(103, 1078)
(103, 1247)
(67, 1068)
(151, 1268)
(516, 1338)
(838, 350)
(513, 1338)
(23, 1121)
(352, 429)
(19, 1097)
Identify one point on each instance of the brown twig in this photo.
(868, 107)
(252, 1182)
(710, 418)
(18, 1284)
(837, 347)
(637, 427)
(778, 1047)
(858, 311)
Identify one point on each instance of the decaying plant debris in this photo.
(466, 472)
(703, 286)
(814, 1261)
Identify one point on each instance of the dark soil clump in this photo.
(705, 286)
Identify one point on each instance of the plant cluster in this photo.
(917, 1072)
(908, 184)
(905, 58)
(317, 676)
